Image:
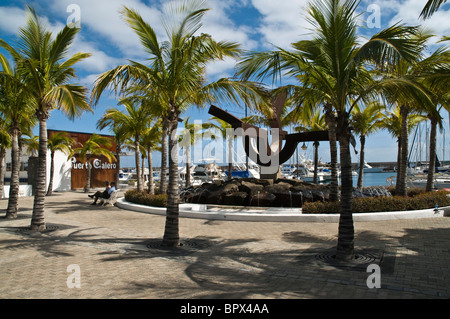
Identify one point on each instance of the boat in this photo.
(441, 181)
(125, 175)
(206, 172)
(287, 171)
(306, 174)
(239, 172)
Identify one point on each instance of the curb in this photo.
(212, 212)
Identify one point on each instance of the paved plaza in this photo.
(115, 253)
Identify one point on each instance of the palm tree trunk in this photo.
(230, 157)
(117, 177)
(399, 152)
(316, 162)
(151, 188)
(143, 171)
(401, 174)
(137, 157)
(2, 170)
(362, 139)
(52, 172)
(13, 201)
(432, 160)
(171, 232)
(163, 181)
(331, 123)
(37, 218)
(188, 166)
(87, 188)
(346, 232)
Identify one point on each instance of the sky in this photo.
(257, 25)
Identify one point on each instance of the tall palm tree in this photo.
(364, 122)
(96, 145)
(224, 129)
(192, 134)
(436, 78)
(421, 75)
(150, 141)
(176, 71)
(5, 143)
(311, 119)
(392, 122)
(334, 64)
(15, 106)
(120, 137)
(59, 141)
(42, 64)
(134, 121)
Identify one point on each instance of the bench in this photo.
(112, 198)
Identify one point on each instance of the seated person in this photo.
(105, 194)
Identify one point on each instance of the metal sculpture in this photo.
(256, 140)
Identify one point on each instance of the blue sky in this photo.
(256, 24)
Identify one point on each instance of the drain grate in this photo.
(184, 243)
(362, 258)
(48, 228)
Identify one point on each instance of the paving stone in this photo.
(223, 259)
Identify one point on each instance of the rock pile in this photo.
(256, 192)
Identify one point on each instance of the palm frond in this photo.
(145, 32)
(69, 98)
(431, 7)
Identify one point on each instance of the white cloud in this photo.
(103, 18)
(408, 11)
(99, 61)
(12, 19)
(283, 21)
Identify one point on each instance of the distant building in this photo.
(69, 173)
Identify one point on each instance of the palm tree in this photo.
(420, 75)
(96, 145)
(134, 122)
(392, 122)
(59, 141)
(225, 128)
(32, 143)
(120, 137)
(190, 136)
(176, 72)
(333, 67)
(15, 106)
(150, 140)
(312, 119)
(40, 58)
(5, 143)
(364, 122)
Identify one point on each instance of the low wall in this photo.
(203, 211)
(24, 190)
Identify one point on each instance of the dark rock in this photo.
(250, 188)
(237, 198)
(277, 188)
(228, 188)
(214, 198)
(262, 199)
(289, 181)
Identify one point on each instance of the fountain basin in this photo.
(276, 214)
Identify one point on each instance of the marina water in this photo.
(375, 179)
